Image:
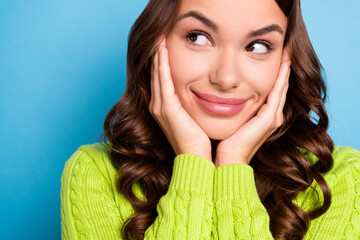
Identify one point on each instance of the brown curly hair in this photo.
(141, 152)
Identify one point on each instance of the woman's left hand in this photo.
(244, 143)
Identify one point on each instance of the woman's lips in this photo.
(220, 106)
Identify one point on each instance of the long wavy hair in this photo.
(141, 152)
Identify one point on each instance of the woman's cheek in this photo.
(262, 76)
(187, 66)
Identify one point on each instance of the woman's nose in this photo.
(226, 73)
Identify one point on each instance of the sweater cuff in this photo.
(234, 181)
(192, 172)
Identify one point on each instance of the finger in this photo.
(285, 58)
(283, 99)
(285, 54)
(268, 115)
(166, 83)
(274, 97)
(156, 80)
(283, 72)
(279, 113)
(155, 84)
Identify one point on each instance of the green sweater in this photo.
(203, 202)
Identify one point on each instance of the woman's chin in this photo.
(219, 135)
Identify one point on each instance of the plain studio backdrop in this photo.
(62, 66)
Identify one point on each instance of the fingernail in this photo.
(160, 47)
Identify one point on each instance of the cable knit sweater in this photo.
(202, 202)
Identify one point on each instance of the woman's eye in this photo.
(199, 39)
(258, 47)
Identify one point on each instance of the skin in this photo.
(225, 62)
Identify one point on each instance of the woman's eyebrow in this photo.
(214, 27)
(266, 30)
(200, 17)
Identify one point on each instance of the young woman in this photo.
(214, 136)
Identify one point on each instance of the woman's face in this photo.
(224, 58)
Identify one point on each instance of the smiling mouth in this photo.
(218, 105)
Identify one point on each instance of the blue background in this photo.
(62, 66)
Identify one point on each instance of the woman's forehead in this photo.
(236, 14)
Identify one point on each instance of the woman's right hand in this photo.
(183, 133)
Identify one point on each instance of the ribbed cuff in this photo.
(234, 181)
(192, 172)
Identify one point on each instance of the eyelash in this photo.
(195, 33)
(265, 43)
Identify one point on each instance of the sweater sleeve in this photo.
(88, 207)
(90, 211)
(342, 219)
(239, 213)
(185, 211)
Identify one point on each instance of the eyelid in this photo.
(198, 32)
(267, 44)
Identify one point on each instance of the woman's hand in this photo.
(244, 143)
(183, 133)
